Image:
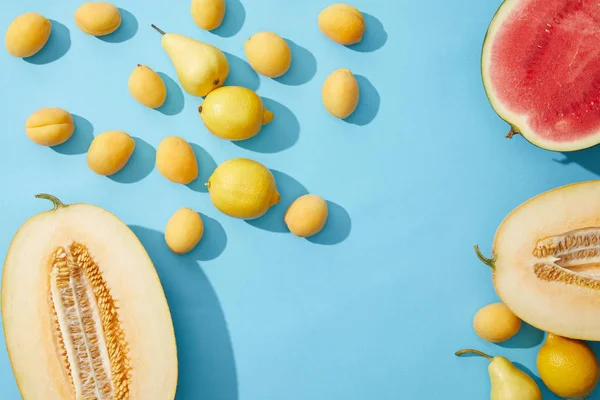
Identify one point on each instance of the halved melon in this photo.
(83, 310)
(541, 71)
(546, 261)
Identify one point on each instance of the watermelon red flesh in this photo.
(541, 67)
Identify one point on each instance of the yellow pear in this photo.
(200, 67)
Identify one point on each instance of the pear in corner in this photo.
(508, 382)
(200, 67)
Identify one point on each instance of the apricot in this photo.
(176, 161)
(49, 126)
(340, 93)
(184, 230)
(307, 215)
(109, 152)
(268, 54)
(27, 34)
(98, 18)
(208, 14)
(342, 23)
(496, 323)
(147, 87)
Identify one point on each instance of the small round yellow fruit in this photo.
(243, 188)
(568, 367)
(307, 215)
(496, 323)
(27, 34)
(208, 14)
(109, 152)
(342, 23)
(49, 126)
(98, 18)
(147, 87)
(176, 161)
(184, 230)
(340, 93)
(268, 54)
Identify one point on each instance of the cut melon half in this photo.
(83, 310)
(546, 261)
(541, 71)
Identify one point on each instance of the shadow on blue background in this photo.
(278, 135)
(80, 141)
(58, 45)
(207, 367)
(303, 67)
(127, 30)
(140, 164)
(206, 166)
(241, 73)
(235, 15)
(337, 229)
(526, 338)
(175, 100)
(368, 103)
(588, 159)
(374, 38)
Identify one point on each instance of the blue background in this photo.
(375, 306)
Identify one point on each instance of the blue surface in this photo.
(375, 306)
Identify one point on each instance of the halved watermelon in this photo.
(541, 71)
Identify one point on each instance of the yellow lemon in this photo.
(243, 188)
(268, 54)
(234, 113)
(568, 367)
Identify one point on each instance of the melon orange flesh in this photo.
(546, 261)
(541, 70)
(84, 312)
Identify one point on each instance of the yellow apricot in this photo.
(268, 54)
(208, 14)
(340, 93)
(176, 161)
(496, 323)
(49, 126)
(109, 152)
(184, 230)
(147, 87)
(27, 34)
(307, 215)
(342, 23)
(98, 18)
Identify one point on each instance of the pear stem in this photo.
(55, 201)
(465, 351)
(490, 262)
(158, 29)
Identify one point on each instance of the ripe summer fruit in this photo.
(176, 161)
(109, 152)
(81, 298)
(568, 367)
(243, 188)
(27, 34)
(49, 126)
(268, 54)
(342, 23)
(147, 87)
(496, 323)
(98, 18)
(545, 261)
(540, 71)
(307, 215)
(200, 67)
(340, 93)
(234, 113)
(208, 14)
(184, 230)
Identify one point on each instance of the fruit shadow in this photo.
(587, 158)
(57, 46)
(526, 338)
(206, 166)
(546, 393)
(241, 73)
(206, 360)
(303, 67)
(368, 103)
(127, 29)
(175, 100)
(140, 164)
(374, 37)
(337, 229)
(235, 15)
(280, 134)
(80, 141)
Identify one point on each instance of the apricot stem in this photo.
(55, 201)
(158, 29)
(490, 262)
(480, 353)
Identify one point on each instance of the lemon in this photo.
(243, 188)
(234, 113)
(568, 367)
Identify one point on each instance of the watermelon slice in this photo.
(541, 71)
